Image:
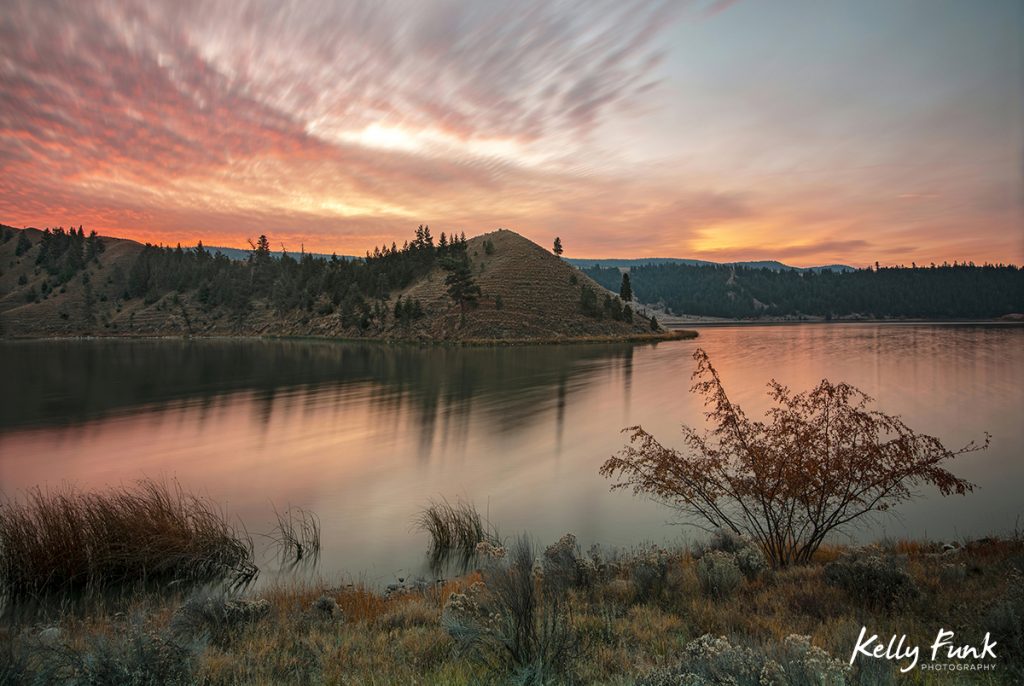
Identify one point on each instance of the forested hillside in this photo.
(496, 286)
(957, 290)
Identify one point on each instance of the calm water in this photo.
(364, 435)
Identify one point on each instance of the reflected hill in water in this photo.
(70, 382)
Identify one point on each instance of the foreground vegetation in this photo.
(689, 615)
(68, 543)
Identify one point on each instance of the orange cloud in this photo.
(342, 126)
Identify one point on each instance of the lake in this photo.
(366, 434)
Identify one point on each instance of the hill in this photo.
(64, 283)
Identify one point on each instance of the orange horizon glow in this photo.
(630, 130)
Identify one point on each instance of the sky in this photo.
(809, 132)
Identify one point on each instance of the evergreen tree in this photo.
(588, 302)
(461, 287)
(23, 245)
(557, 248)
(626, 290)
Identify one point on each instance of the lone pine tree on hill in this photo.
(557, 249)
(461, 287)
(626, 290)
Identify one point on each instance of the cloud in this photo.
(130, 109)
(343, 124)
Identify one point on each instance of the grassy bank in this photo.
(557, 615)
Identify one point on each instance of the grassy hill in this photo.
(105, 286)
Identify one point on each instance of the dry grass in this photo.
(69, 542)
(455, 532)
(399, 638)
(297, 537)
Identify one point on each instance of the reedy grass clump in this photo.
(297, 537)
(68, 542)
(455, 530)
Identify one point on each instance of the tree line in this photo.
(960, 290)
(355, 289)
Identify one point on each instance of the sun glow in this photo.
(436, 142)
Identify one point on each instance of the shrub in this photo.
(751, 561)
(649, 572)
(715, 660)
(509, 625)
(747, 554)
(820, 460)
(718, 573)
(877, 580)
(326, 607)
(565, 568)
(1006, 621)
(216, 616)
(135, 657)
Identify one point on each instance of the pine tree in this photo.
(557, 249)
(23, 245)
(461, 287)
(626, 289)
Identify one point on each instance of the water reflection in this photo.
(365, 435)
(63, 383)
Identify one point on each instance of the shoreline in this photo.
(671, 322)
(672, 334)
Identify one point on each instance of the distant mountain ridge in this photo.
(774, 265)
(618, 263)
(243, 253)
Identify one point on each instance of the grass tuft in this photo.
(69, 542)
(455, 531)
(297, 537)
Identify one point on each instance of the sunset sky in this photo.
(810, 132)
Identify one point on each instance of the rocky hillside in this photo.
(525, 294)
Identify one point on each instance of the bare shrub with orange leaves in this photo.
(822, 459)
